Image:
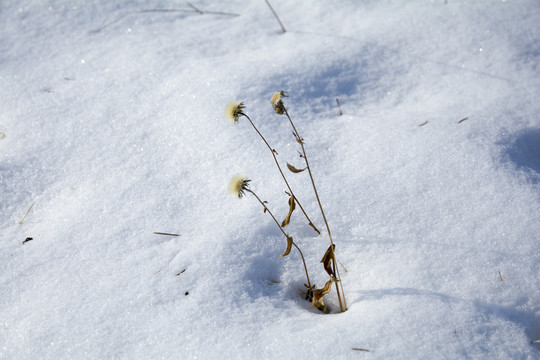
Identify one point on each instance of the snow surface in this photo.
(114, 128)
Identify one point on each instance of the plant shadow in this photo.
(264, 269)
(527, 319)
(523, 151)
(381, 293)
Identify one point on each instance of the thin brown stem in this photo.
(284, 233)
(339, 107)
(24, 217)
(276, 16)
(342, 305)
(301, 142)
(282, 174)
(304, 261)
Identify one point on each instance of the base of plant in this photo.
(309, 297)
(324, 309)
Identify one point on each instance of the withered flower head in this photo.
(277, 102)
(233, 111)
(238, 185)
(277, 97)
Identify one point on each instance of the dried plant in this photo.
(238, 187)
(280, 109)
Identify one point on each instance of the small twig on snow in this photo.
(196, 9)
(167, 234)
(277, 17)
(193, 10)
(20, 222)
(339, 107)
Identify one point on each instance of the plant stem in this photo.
(282, 174)
(343, 304)
(277, 17)
(287, 236)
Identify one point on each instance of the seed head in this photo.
(277, 102)
(233, 111)
(238, 185)
(277, 97)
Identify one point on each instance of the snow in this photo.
(114, 129)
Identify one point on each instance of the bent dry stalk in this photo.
(280, 109)
(239, 186)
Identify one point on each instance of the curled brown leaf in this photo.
(318, 296)
(327, 260)
(294, 170)
(292, 206)
(289, 246)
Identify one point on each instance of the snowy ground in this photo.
(115, 130)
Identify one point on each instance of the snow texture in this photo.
(112, 124)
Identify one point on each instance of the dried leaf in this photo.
(295, 170)
(289, 246)
(318, 296)
(292, 206)
(327, 260)
(181, 272)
